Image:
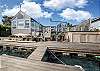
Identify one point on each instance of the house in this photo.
(23, 24)
(95, 24)
(74, 28)
(53, 33)
(60, 28)
(89, 25)
(84, 25)
(47, 33)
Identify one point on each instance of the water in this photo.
(22, 54)
(87, 64)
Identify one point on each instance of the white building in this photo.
(47, 32)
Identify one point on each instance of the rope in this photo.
(58, 58)
(65, 63)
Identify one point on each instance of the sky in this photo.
(72, 11)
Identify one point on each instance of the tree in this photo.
(6, 20)
(96, 30)
(69, 25)
(5, 30)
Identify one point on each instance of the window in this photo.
(26, 23)
(14, 24)
(20, 24)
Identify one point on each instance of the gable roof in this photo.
(26, 15)
(18, 13)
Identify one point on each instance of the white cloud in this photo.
(11, 12)
(31, 8)
(46, 14)
(71, 14)
(61, 4)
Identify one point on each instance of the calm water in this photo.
(16, 53)
(88, 65)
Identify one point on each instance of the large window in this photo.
(20, 24)
(14, 24)
(26, 23)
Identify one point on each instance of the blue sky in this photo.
(73, 11)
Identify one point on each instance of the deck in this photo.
(33, 62)
(10, 63)
(38, 53)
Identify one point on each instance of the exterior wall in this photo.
(75, 38)
(22, 31)
(83, 37)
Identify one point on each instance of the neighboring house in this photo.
(53, 28)
(89, 25)
(95, 24)
(47, 32)
(84, 25)
(74, 28)
(53, 33)
(21, 23)
(60, 28)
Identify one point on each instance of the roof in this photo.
(26, 15)
(18, 13)
(87, 21)
(95, 19)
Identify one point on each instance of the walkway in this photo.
(38, 53)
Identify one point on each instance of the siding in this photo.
(23, 31)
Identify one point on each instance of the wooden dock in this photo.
(79, 51)
(34, 63)
(38, 53)
(10, 63)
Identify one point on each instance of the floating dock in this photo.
(34, 63)
(38, 53)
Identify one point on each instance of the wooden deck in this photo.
(75, 50)
(38, 53)
(11, 63)
(34, 63)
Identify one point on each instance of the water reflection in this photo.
(17, 53)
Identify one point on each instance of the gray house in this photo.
(60, 28)
(23, 24)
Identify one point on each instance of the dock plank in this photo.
(18, 64)
(38, 53)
